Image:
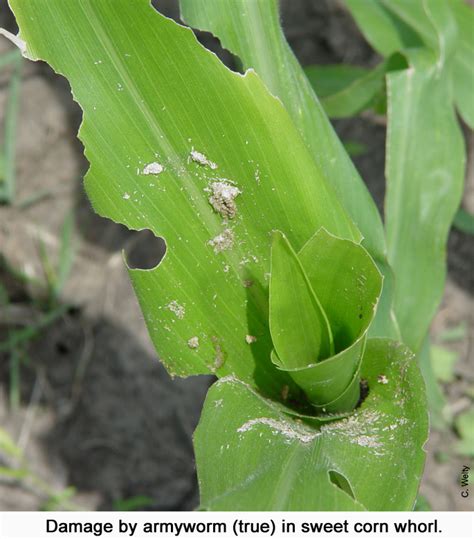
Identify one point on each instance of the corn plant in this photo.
(279, 276)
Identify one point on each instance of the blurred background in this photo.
(89, 419)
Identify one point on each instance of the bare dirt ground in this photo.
(98, 411)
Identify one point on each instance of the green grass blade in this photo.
(9, 57)
(134, 503)
(66, 255)
(8, 447)
(7, 186)
(15, 380)
(21, 336)
(60, 501)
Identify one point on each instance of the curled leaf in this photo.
(322, 302)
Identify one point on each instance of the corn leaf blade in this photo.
(202, 156)
(252, 31)
(424, 187)
(355, 91)
(424, 181)
(338, 279)
(381, 27)
(463, 71)
(299, 326)
(267, 460)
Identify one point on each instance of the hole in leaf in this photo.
(364, 391)
(211, 42)
(341, 482)
(144, 250)
(62, 348)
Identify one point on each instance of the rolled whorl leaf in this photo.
(322, 302)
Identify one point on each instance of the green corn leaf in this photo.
(299, 326)
(252, 31)
(424, 187)
(463, 69)
(424, 184)
(331, 79)
(332, 386)
(234, 168)
(395, 25)
(348, 285)
(422, 504)
(385, 322)
(351, 98)
(339, 279)
(386, 32)
(346, 282)
(424, 180)
(432, 21)
(352, 94)
(267, 460)
(212, 162)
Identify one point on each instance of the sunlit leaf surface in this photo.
(202, 156)
(252, 456)
(425, 150)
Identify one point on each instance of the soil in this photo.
(97, 410)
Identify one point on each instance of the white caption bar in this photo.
(122, 525)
